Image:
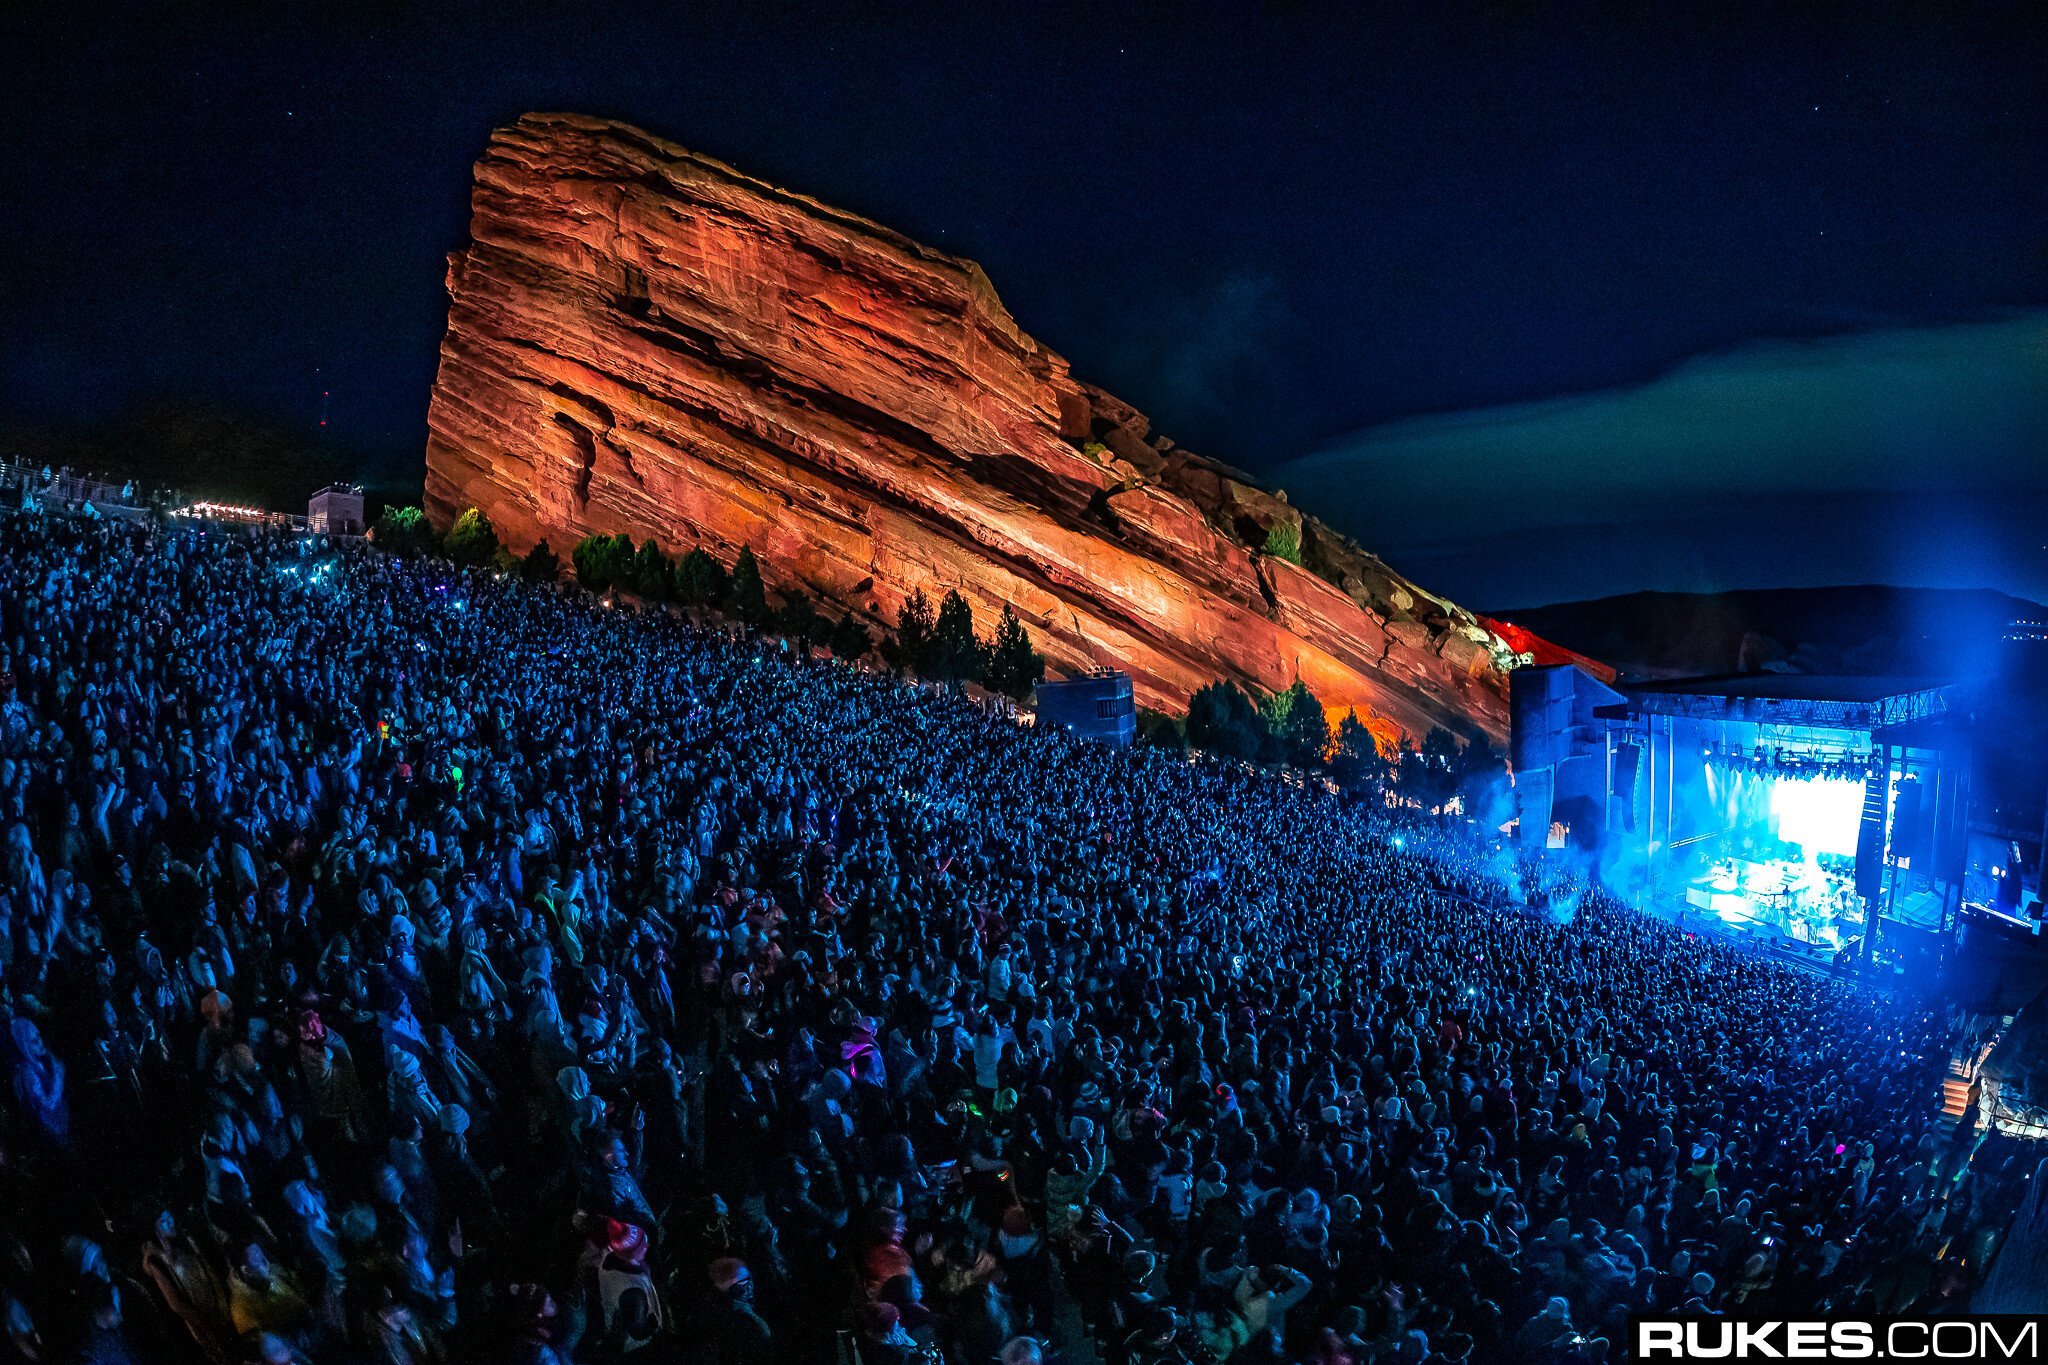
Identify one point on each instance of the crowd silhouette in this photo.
(406, 963)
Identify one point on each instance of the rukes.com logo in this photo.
(1998, 1337)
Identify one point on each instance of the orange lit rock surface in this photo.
(641, 339)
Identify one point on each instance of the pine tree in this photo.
(700, 580)
(1161, 731)
(1223, 720)
(619, 561)
(1430, 774)
(1305, 731)
(912, 646)
(748, 595)
(1358, 762)
(402, 530)
(798, 620)
(956, 654)
(592, 558)
(1480, 776)
(652, 576)
(604, 562)
(541, 564)
(1013, 667)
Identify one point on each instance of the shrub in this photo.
(849, 638)
(1283, 541)
(472, 539)
(402, 530)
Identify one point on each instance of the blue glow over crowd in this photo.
(407, 964)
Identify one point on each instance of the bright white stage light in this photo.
(1820, 814)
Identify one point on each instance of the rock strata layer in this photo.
(642, 339)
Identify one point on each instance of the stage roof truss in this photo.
(1815, 712)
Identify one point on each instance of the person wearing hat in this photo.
(408, 1093)
(464, 1186)
(881, 1338)
(629, 1315)
(327, 1073)
(726, 1327)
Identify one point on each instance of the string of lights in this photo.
(1780, 761)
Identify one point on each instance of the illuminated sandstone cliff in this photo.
(641, 339)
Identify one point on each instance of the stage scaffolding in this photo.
(1827, 816)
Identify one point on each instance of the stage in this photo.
(1793, 809)
(1808, 901)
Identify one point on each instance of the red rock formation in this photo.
(641, 339)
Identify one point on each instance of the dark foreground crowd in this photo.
(403, 965)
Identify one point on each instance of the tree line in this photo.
(939, 644)
(1292, 727)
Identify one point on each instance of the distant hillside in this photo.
(1867, 630)
(206, 451)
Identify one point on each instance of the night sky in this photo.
(1720, 295)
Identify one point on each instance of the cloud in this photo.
(1990, 540)
(1777, 439)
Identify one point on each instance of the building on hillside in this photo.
(1097, 705)
(336, 510)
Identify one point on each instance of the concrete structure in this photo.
(1098, 705)
(336, 510)
(1560, 754)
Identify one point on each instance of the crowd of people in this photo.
(405, 964)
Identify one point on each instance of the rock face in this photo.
(641, 339)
